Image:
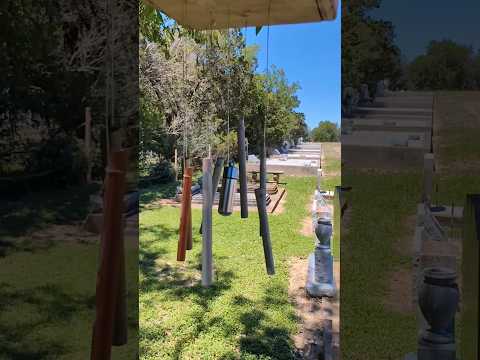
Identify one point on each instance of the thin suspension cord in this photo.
(107, 82)
(185, 140)
(113, 63)
(228, 86)
(209, 54)
(264, 150)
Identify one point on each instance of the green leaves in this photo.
(326, 131)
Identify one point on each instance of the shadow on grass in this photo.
(260, 338)
(37, 209)
(158, 191)
(47, 306)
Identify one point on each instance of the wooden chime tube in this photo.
(260, 196)
(189, 239)
(242, 166)
(207, 252)
(185, 210)
(120, 324)
(112, 256)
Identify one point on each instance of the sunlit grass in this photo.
(246, 314)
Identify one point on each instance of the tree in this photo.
(368, 50)
(326, 131)
(446, 65)
(200, 84)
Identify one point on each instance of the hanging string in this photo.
(112, 87)
(268, 73)
(185, 140)
(265, 120)
(228, 84)
(107, 82)
(209, 54)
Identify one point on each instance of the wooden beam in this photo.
(221, 14)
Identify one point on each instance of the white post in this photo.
(207, 256)
(88, 137)
(176, 164)
(428, 168)
(319, 179)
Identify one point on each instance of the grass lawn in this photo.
(379, 207)
(246, 314)
(47, 289)
(456, 132)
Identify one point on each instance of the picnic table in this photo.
(275, 179)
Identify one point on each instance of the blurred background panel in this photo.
(68, 95)
(410, 119)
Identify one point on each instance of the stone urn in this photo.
(438, 300)
(323, 231)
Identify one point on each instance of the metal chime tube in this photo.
(229, 188)
(243, 170)
(260, 196)
(263, 176)
(207, 253)
(217, 172)
(109, 275)
(183, 231)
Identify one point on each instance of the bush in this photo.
(326, 131)
(160, 173)
(61, 154)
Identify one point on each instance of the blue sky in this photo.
(418, 22)
(310, 54)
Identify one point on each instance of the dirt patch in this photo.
(404, 245)
(400, 293)
(276, 206)
(400, 297)
(306, 229)
(62, 233)
(312, 312)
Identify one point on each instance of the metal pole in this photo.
(207, 257)
(243, 169)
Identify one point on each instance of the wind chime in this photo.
(261, 192)
(231, 176)
(185, 241)
(110, 327)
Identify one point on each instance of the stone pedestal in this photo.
(320, 281)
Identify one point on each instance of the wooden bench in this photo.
(275, 179)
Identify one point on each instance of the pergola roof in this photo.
(220, 14)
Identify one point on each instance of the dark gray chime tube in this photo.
(263, 176)
(260, 196)
(207, 256)
(229, 188)
(242, 166)
(217, 171)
